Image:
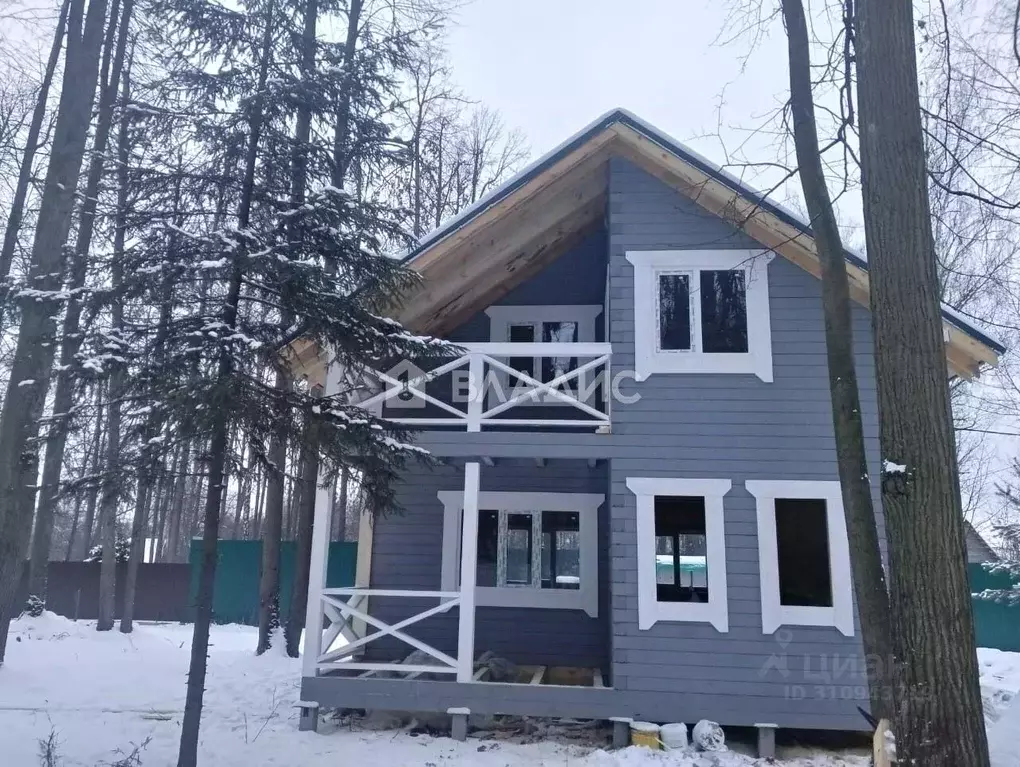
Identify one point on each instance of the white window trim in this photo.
(773, 613)
(650, 610)
(502, 317)
(648, 359)
(585, 504)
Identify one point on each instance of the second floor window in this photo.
(544, 369)
(554, 324)
(701, 312)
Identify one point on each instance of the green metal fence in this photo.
(239, 564)
(995, 625)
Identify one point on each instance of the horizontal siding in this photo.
(407, 554)
(733, 427)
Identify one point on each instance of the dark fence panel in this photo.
(165, 592)
(162, 591)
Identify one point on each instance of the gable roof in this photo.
(978, 549)
(520, 227)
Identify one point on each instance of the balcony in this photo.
(500, 386)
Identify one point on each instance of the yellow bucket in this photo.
(644, 734)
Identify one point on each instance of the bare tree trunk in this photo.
(32, 144)
(195, 505)
(293, 496)
(137, 550)
(109, 498)
(93, 491)
(63, 398)
(75, 552)
(340, 526)
(157, 510)
(188, 753)
(303, 556)
(127, 616)
(341, 136)
(114, 474)
(272, 534)
(259, 494)
(74, 528)
(33, 356)
(177, 507)
(938, 719)
(219, 442)
(241, 500)
(865, 554)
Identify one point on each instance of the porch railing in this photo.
(495, 387)
(346, 607)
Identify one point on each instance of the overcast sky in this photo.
(552, 66)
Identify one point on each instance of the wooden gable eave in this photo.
(509, 241)
(543, 224)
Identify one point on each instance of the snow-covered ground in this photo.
(1000, 683)
(105, 693)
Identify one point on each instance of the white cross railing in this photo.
(489, 378)
(342, 612)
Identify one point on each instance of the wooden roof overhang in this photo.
(528, 223)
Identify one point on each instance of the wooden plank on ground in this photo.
(536, 678)
(880, 754)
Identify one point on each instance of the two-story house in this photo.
(637, 502)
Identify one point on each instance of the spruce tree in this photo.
(261, 270)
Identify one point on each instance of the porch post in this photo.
(468, 557)
(321, 529)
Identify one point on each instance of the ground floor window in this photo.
(529, 549)
(681, 550)
(534, 549)
(804, 555)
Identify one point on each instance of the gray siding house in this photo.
(637, 501)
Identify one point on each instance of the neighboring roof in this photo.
(620, 129)
(978, 549)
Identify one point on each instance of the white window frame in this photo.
(586, 597)
(649, 359)
(502, 317)
(773, 613)
(650, 609)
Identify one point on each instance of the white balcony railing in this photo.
(492, 387)
(345, 608)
